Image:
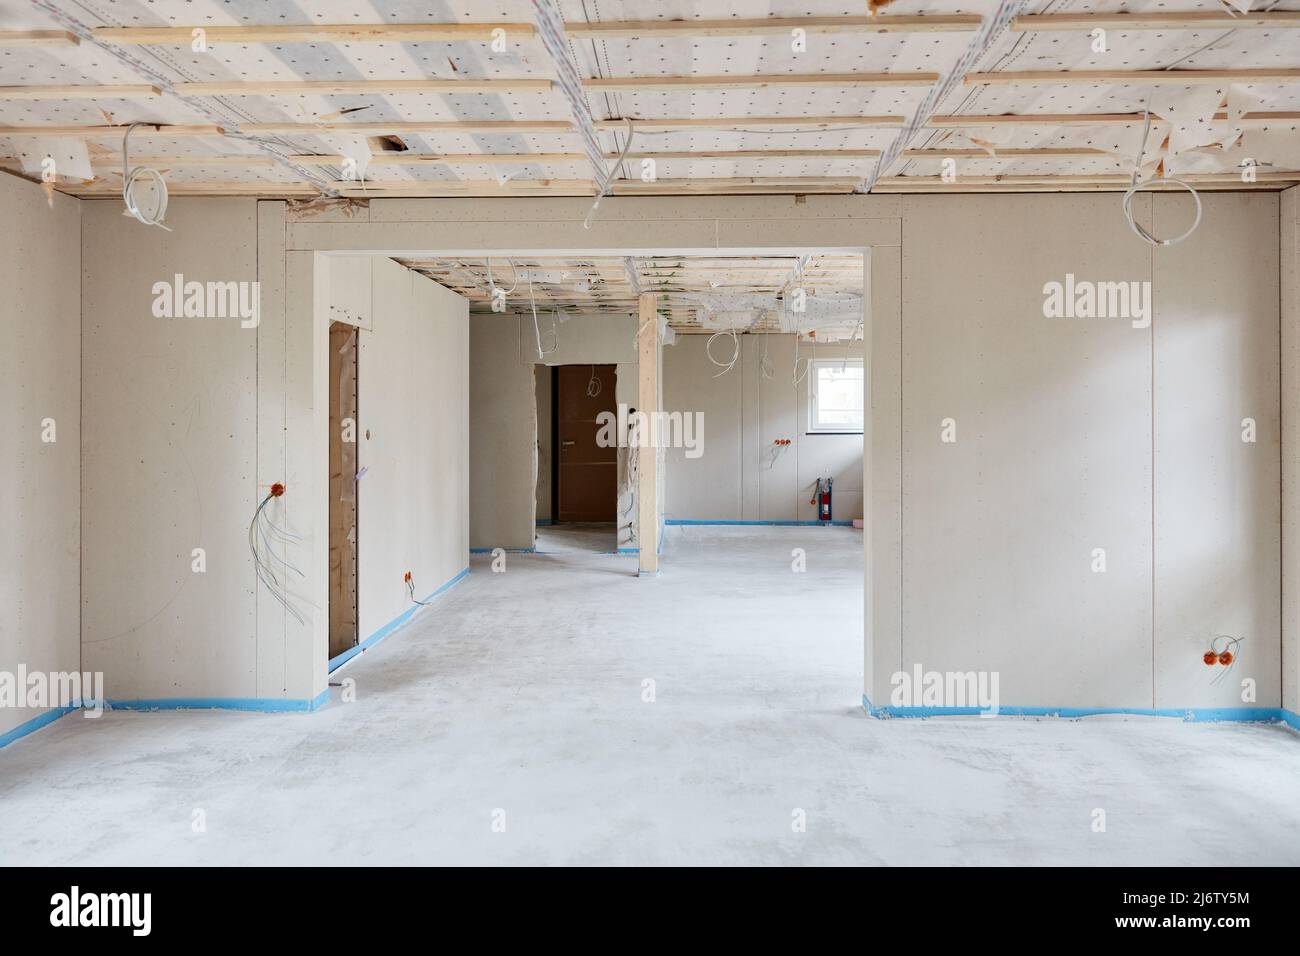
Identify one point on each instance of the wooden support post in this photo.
(647, 484)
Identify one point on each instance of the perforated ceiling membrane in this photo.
(746, 109)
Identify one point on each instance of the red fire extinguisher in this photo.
(822, 499)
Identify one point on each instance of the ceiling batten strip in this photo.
(1198, 20)
(692, 84)
(315, 33)
(1133, 77)
(690, 29)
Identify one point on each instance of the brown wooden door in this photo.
(588, 473)
(343, 487)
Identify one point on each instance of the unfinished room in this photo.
(718, 433)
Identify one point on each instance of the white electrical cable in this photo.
(735, 351)
(537, 328)
(492, 285)
(765, 363)
(1138, 184)
(132, 177)
(593, 384)
(609, 179)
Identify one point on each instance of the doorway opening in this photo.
(344, 631)
(582, 470)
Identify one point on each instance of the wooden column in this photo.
(647, 485)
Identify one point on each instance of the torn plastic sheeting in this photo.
(1190, 112)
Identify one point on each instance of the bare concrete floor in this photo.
(523, 692)
(593, 537)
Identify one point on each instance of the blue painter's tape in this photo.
(777, 524)
(336, 662)
(270, 705)
(1291, 719)
(532, 550)
(33, 725)
(543, 522)
(1187, 714)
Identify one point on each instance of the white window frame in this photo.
(813, 427)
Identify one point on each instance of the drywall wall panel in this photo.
(503, 434)
(169, 442)
(1217, 450)
(743, 473)
(40, 439)
(770, 414)
(707, 486)
(411, 495)
(1026, 452)
(882, 474)
(1289, 228)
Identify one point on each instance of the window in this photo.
(835, 396)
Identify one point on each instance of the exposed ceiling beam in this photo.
(449, 159)
(464, 187)
(1199, 20)
(691, 29)
(464, 159)
(998, 152)
(364, 87)
(180, 162)
(507, 127)
(150, 130)
(1134, 77)
(1086, 119)
(1119, 183)
(86, 92)
(38, 38)
(691, 84)
(738, 154)
(776, 122)
(113, 190)
(316, 33)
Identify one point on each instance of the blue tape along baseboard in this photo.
(1187, 714)
(33, 725)
(771, 524)
(266, 705)
(532, 550)
(336, 662)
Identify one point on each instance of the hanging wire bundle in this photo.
(261, 531)
(131, 178)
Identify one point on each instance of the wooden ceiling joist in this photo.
(754, 122)
(108, 189)
(768, 26)
(1198, 20)
(363, 87)
(44, 38)
(449, 159)
(999, 152)
(466, 159)
(1112, 183)
(86, 92)
(693, 84)
(317, 33)
(95, 132)
(1134, 77)
(973, 121)
(397, 128)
